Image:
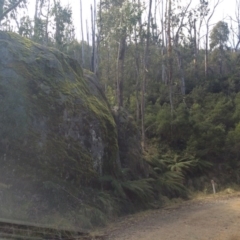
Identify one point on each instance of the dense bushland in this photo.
(178, 78)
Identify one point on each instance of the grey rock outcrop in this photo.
(54, 120)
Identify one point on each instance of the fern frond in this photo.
(171, 182)
(142, 189)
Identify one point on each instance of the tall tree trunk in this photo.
(81, 19)
(1, 6)
(181, 71)
(163, 47)
(36, 20)
(237, 15)
(145, 70)
(94, 53)
(154, 23)
(120, 70)
(57, 32)
(178, 51)
(170, 60)
(93, 41)
(47, 23)
(195, 50)
(207, 36)
(108, 68)
(98, 37)
(221, 61)
(137, 75)
(89, 64)
(137, 64)
(206, 53)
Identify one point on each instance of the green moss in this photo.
(58, 103)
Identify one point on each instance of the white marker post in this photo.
(213, 186)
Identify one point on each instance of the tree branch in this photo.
(10, 9)
(214, 7)
(181, 24)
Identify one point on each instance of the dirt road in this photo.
(209, 219)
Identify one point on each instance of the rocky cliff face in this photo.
(55, 122)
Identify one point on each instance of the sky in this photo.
(225, 9)
(76, 12)
(86, 4)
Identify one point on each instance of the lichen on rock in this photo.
(55, 122)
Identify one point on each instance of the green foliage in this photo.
(172, 170)
(201, 126)
(51, 84)
(25, 28)
(64, 32)
(131, 194)
(171, 184)
(126, 12)
(74, 49)
(5, 5)
(139, 190)
(199, 134)
(181, 164)
(55, 16)
(219, 35)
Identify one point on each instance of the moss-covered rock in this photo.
(55, 122)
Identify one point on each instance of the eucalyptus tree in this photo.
(7, 6)
(181, 20)
(37, 29)
(36, 18)
(9, 13)
(169, 53)
(64, 30)
(26, 27)
(219, 38)
(138, 42)
(235, 26)
(197, 19)
(173, 19)
(207, 20)
(94, 53)
(117, 20)
(42, 21)
(145, 70)
(237, 20)
(1, 8)
(219, 35)
(81, 21)
(176, 19)
(195, 23)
